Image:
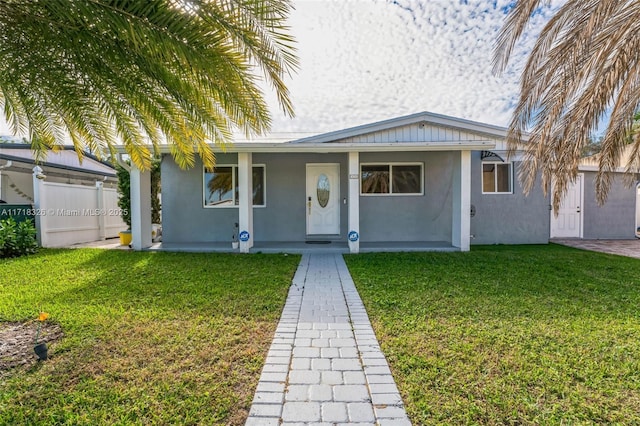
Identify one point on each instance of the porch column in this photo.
(245, 195)
(38, 191)
(354, 202)
(140, 208)
(461, 211)
(101, 211)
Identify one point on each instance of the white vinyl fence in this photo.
(71, 214)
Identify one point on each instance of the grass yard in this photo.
(150, 338)
(508, 335)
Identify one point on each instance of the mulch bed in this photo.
(17, 341)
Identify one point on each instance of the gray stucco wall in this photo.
(283, 219)
(184, 219)
(499, 219)
(411, 218)
(616, 218)
(507, 218)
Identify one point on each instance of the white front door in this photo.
(568, 224)
(323, 199)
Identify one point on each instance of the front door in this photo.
(323, 199)
(568, 224)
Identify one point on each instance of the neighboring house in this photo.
(423, 181)
(16, 182)
(580, 216)
(71, 201)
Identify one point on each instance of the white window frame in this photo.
(234, 168)
(391, 193)
(495, 178)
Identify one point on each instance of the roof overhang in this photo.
(322, 147)
(78, 170)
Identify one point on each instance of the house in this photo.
(419, 182)
(580, 216)
(71, 201)
(16, 182)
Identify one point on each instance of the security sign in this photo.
(353, 236)
(244, 236)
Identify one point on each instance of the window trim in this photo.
(391, 193)
(234, 172)
(495, 178)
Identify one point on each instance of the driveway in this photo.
(629, 248)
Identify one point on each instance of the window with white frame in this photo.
(392, 179)
(497, 178)
(221, 186)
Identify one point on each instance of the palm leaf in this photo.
(142, 73)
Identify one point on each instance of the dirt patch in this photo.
(17, 341)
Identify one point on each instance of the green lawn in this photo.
(150, 338)
(508, 335)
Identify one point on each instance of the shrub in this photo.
(124, 191)
(17, 239)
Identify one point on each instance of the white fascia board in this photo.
(595, 169)
(347, 147)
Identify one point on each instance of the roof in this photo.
(421, 118)
(592, 162)
(423, 131)
(66, 159)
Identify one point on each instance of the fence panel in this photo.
(113, 218)
(72, 214)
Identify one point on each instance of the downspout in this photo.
(123, 163)
(6, 166)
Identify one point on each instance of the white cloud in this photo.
(368, 60)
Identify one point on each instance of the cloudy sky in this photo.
(369, 60)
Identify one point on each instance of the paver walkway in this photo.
(629, 248)
(325, 365)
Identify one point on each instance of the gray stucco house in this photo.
(418, 182)
(423, 181)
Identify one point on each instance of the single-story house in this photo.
(70, 201)
(17, 163)
(423, 181)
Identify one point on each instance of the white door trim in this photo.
(553, 233)
(312, 205)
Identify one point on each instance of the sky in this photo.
(363, 61)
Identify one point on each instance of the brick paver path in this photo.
(629, 248)
(325, 365)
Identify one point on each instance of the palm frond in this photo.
(584, 66)
(105, 72)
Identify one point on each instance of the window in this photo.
(221, 186)
(391, 179)
(497, 178)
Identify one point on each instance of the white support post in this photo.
(245, 195)
(38, 181)
(102, 233)
(140, 208)
(354, 202)
(461, 211)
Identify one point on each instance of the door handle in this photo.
(309, 204)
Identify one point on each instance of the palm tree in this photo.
(142, 73)
(584, 66)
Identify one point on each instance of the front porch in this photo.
(288, 199)
(296, 247)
